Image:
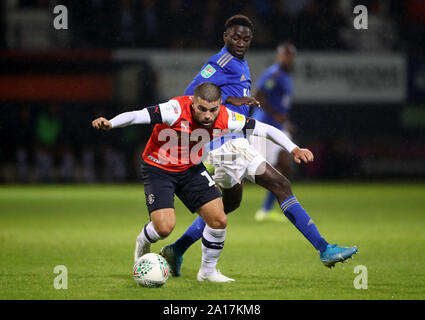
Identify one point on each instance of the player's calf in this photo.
(161, 225)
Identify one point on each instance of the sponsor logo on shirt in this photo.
(208, 71)
(237, 116)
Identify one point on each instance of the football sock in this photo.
(302, 221)
(212, 245)
(268, 201)
(149, 234)
(191, 235)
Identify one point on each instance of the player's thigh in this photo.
(213, 214)
(164, 221)
(159, 188)
(196, 188)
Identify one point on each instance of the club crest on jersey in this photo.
(208, 71)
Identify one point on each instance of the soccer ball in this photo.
(151, 270)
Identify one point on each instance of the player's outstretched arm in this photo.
(240, 101)
(277, 136)
(124, 119)
(167, 112)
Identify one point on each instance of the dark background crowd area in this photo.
(313, 25)
(53, 141)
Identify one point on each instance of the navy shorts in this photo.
(194, 187)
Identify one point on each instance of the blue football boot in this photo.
(334, 254)
(174, 259)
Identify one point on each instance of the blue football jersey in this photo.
(277, 87)
(230, 74)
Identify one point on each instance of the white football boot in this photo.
(142, 247)
(215, 276)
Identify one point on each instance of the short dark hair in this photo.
(208, 91)
(239, 20)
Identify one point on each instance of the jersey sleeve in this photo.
(238, 122)
(170, 111)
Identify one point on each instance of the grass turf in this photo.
(92, 230)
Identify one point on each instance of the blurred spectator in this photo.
(22, 133)
(415, 25)
(114, 169)
(48, 127)
(147, 23)
(67, 165)
(88, 165)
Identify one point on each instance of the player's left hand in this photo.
(302, 155)
(240, 101)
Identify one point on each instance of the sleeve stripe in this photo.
(223, 63)
(223, 57)
(155, 114)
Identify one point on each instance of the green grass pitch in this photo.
(92, 229)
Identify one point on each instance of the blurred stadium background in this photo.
(359, 94)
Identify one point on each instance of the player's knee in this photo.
(220, 222)
(164, 230)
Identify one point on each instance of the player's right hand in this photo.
(102, 123)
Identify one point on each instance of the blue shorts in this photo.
(194, 187)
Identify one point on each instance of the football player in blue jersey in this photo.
(228, 69)
(274, 90)
(235, 159)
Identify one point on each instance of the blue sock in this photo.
(268, 201)
(191, 235)
(300, 218)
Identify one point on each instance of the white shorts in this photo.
(233, 161)
(267, 148)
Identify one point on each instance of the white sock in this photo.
(212, 245)
(149, 234)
